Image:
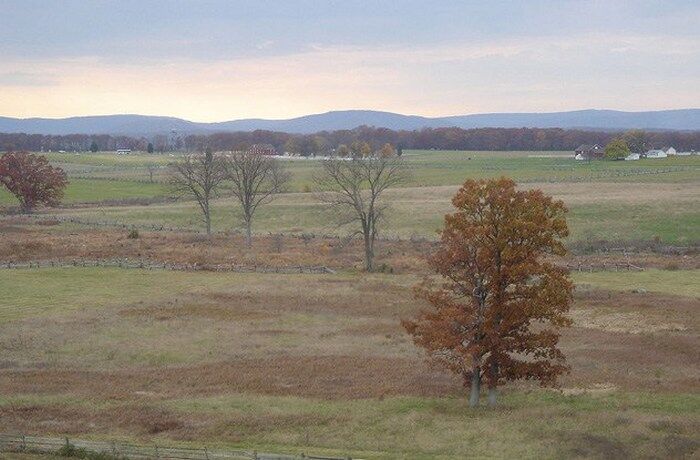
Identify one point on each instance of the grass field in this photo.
(96, 191)
(306, 363)
(608, 211)
(608, 200)
(319, 363)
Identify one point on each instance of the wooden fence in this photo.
(289, 269)
(150, 265)
(120, 450)
(616, 267)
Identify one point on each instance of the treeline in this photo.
(326, 141)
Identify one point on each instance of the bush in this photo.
(133, 234)
(385, 268)
(69, 450)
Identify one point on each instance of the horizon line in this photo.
(351, 110)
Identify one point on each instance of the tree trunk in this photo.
(369, 254)
(493, 392)
(207, 220)
(493, 389)
(248, 234)
(476, 387)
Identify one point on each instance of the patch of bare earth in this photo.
(330, 377)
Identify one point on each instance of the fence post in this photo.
(255, 455)
(157, 456)
(206, 454)
(24, 442)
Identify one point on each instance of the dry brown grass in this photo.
(25, 240)
(131, 367)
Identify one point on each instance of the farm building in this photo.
(687, 153)
(123, 151)
(669, 150)
(655, 153)
(263, 149)
(587, 152)
(632, 157)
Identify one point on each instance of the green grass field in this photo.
(119, 330)
(319, 363)
(608, 200)
(96, 191)
(624, 212)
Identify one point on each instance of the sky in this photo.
(221, 60)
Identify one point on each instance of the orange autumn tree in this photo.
(500, 301)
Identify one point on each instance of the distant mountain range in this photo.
(682, 119)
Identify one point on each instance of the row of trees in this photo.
(351, 186)
(326, 141)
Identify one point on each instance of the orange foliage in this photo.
(497, 310)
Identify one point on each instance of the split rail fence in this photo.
(149, 265)
(120, 450)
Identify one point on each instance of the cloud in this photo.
(540, 73)
(17, 78)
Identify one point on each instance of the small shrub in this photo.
(672, 266)
(133, 234)
(278, 243)
(306, 238)
(385, 268)
(69, 450)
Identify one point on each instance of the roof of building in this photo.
(586, 147)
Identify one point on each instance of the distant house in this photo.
(123, 151)
(632, 157)
(669, 150)
(263, 149)
(687, 153)
(655, 153)
(588, 152)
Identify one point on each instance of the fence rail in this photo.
(48, 445)
(622, 266)
(289, 269)
(150, 265)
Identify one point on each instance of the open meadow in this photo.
(614, 201)
(318, 362)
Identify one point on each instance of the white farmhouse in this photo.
(669, 150)
(656, 153)
(632, 157)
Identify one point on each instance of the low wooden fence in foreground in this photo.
(120, 450)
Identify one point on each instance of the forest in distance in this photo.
(534, 139)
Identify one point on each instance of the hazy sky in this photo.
(220, 60)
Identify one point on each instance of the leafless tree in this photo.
(199, 176)
(353, 188)
(151, 170)
(255, 180)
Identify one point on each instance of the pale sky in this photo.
(222, 60)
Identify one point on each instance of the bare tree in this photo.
(151, 169)
(199, 176)
(353, 188)
(255, 180)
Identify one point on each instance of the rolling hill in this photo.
(681, 119)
